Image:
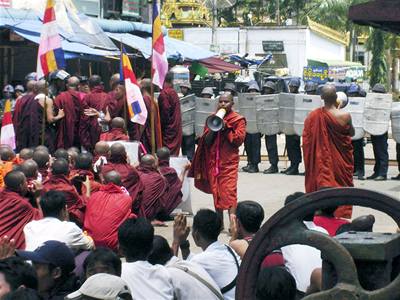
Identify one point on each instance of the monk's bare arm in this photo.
(349, 121)
(49, 112)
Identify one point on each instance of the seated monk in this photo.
(106, 210)
(58, 180)
(101, 154)
(83, 177)
(73, 153)
(328, 152)
(117, 132)
(155, 187)
(8, 160)
(129, 176)
(61, 153)
(15, 210)
(173, 195)
(26, 153)
(31, 172)
(42, 158)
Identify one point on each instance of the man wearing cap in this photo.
(229, 87)
(293, 141)
(185, 88)
(54, 263)
(57, 80)
(252, 142)
(380, 147)
(207, 93)
(19, 91)
(311, 88)
(102, 286)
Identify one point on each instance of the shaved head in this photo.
(41, 157)
(102, 148)
(73, 82)
(15, 180)
(84, 161)
(41, 86)
(114, 79)
(118, 123)
(60, 167)
(118, 153)
(328, 94)
(113, 177)
(145, 85)
(30, 168)
(163, 153)
(6, 153)
(148, 160)
(26, 153)
(31, 86)
(42, 147)
(61, 153)
(94, 80)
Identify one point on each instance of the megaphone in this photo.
(216, 121)
(341, 100)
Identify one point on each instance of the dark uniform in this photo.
(398, 161)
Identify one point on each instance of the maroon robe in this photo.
(15, 213)
(155, 186)
(94, 185)
(89, 128)
(75, 203)
(170, 119)
(115, 134)
(68, 127)
(173, 195)
(44, 172)
(145, 138)
(18, 120)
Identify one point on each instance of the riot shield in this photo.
(377, 111)
(188, 111)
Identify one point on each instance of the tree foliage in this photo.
(377, 45)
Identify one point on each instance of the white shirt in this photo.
(185, 285)
(220, 264)
(301, 260)
(53, 229)
(147, 281)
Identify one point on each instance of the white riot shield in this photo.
(377, 110)
(248, 109)
(304, 104)
(268, 114)
(178, 163)
(188, 111)
(204, 108)
(132, 150)
(396, 121)
(355, 107)
(286, 113)
(236, 104)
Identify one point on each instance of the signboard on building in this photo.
(176, 34)
(273, 46)
(5, 3)
(88, 7)
(319, 75)
(131, 8)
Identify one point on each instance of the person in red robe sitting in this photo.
(68, 127)
(117, 132)
(155, 187)
(170, 116)
(15, 209)
(25, 154)
(118, 161)
(94, 104)
(173, 195)
(101, 155)
(216, 161)
(328, 152)
(82, 175)
(58, 180)
(31, 172)
(42, 158)
(106, 210)
(8, 160)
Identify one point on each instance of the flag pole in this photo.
(152, 109)
(126, 100)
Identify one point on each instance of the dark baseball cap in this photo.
(51, 252)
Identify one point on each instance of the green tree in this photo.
(377, 45)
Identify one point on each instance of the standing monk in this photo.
(170, 116)
(328, 152)
(216, 161)
(94, 106)
(115, 101)
(68, 127)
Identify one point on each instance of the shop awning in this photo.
(217, 65)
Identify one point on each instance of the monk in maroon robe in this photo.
(155, 187)
(15, 210)
(130, 178)
(93, 104)
(68, 127)
(170, 117)
(117, 132)
(42, 158)
(58, 180)
(82, 175)
(328, 151)
(216, 161)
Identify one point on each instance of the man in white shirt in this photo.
(145, 281)
(55, 225)
(219, 260)
(190, 280)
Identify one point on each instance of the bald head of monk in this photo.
(16, 182)
(145, 85)
(61, 153)
(6, 153)
(117, 152)
(60, 167)
(113, 177)
(148, 161)
(73, 83)
(226, 102)
(73, 153)
(94, 80)
(30, 169)
(42, 148)
(102, 148)
(31, 86)
(26, 153)
(84, 161)
(118, 123)
(41, 87)
(41, 157)
(328, 94)
(114, 79)
(163, 154)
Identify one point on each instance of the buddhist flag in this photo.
(136, 107)
(159, 62)
(7, 128)
(50, 54)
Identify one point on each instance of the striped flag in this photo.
(50, 54)
(7, 128)
(159, 62)
(136, 107)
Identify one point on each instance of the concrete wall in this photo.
(331, 50)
